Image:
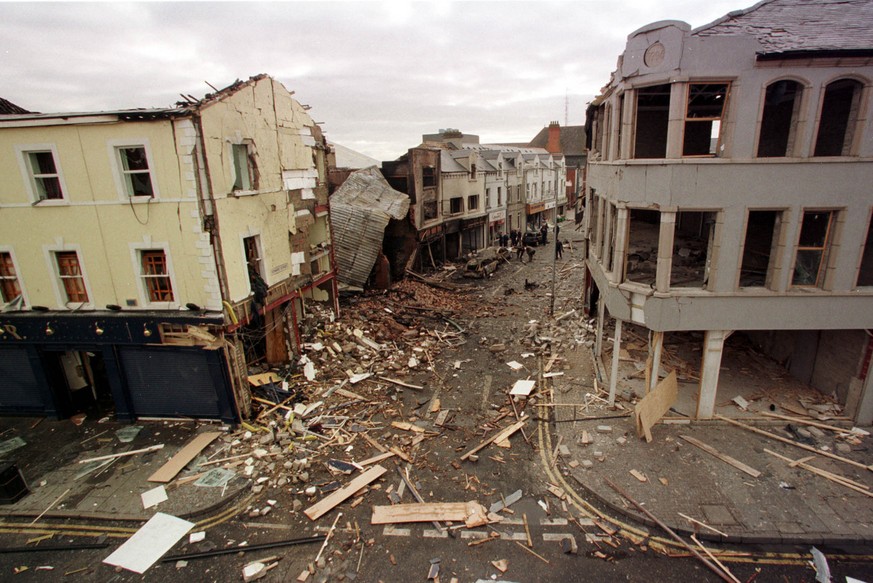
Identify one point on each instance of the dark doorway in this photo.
(80, 383)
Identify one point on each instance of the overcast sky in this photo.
(377, 75)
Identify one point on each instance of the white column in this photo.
(657, 345)
(864, 415)
(616, 349)
(598, 339)
(713, 346)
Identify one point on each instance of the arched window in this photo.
(839, 116)
(779, 120)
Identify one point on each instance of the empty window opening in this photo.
(255, 266)
(9, 287)
(642, 246)
(865, 272)
(653, 111)
(759, 249)
(703, 117)
(70, 274)
(156, 276)
(693, 244)
(44, 175)
(456, 205)
(613, 225)
(779, 119)
(428, 177)
(135, 171)
(244, 167)
(812, 249)
(839, 114)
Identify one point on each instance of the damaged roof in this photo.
(786, 26)
(359, 212)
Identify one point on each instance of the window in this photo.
(473, 202)
(839, 116)
(779, 120)
(865, 272)
(428, 177)
(72, 279)
(9, 288)
(456, 205)
(156, 275)
(812, 249)
(473, 171)
(653, 111)
(135, 171)
(44, 175)
(760, 248)
(703, 116)
(244, 167)
(499, 195)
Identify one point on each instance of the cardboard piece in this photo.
(149, 543)
(653, 406)
(153, 497)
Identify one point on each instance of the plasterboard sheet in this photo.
(522, 388)
(149, 543)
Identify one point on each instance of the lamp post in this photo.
(554, 256)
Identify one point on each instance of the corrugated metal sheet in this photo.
(359, 212)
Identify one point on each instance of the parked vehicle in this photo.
(531, 238)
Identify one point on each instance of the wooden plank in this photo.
(723, 457)
(337, 497)
(401, 383)
(653, 406)
(421, 512)
(794, 443)
(841, 480)
(499, 436)
(806, 422)
(122, 454)
(175, 464)
(377, 458)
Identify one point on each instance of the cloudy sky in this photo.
(377, 75)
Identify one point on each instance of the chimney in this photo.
(554, 144)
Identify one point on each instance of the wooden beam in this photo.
(806, 422)
(794, 443)
(400, 383)
(841, 480)
(499, 436)
(337, 497)
(723, 457)
(424, 512)
(175, 464)
(123, 454)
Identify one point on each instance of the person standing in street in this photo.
(559, 249)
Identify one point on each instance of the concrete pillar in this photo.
(606, 255)
(713, 346)
(665, 251)
(656, 347)
(864, 415)
(598, 339)
(676, 120)
(616, 349)
(620, 252)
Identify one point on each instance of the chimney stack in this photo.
(554, 144)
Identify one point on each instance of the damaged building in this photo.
(729, 193)
(149, 257)
(464, 194)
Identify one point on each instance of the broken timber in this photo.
(175, 464)
(653, 406)
(123, 454)
(333, 499)
(427, 512)
(842, 480)
(794, 443)
(499, 436)
(723, 457)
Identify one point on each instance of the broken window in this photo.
(653, 110)
(812, 248)
(428, 177)
(244, 168)
(779, 119)
(865, 271)
(839, 116)
(44, 176)
(619, 127)
(644, 229)
(135, 171)
(693, 245)
(703, 117)
(9, 287)
(156, 276)
(456, 205)
(759, 248)
(72, 279)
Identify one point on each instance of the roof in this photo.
(7, 107)
(449, 164)
(359, 212)
(348, 158)
(785, 26)
(572, 140)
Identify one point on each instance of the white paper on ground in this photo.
(515, 365)
(154, 497)
(149, 543)
(522, 388)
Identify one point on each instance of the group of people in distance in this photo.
(516, 239)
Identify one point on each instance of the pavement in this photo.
(61, 487)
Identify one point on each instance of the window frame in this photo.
(794, 134)
(71, 284)
(710, 119)
(243, 183)
(24, 152)
(136, 252)
(866, 247)
(825, 248)
(122, 184)
(852, 130)
(15, 277)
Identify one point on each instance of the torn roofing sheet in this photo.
(359, 212)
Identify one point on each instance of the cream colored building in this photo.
(153, 250)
